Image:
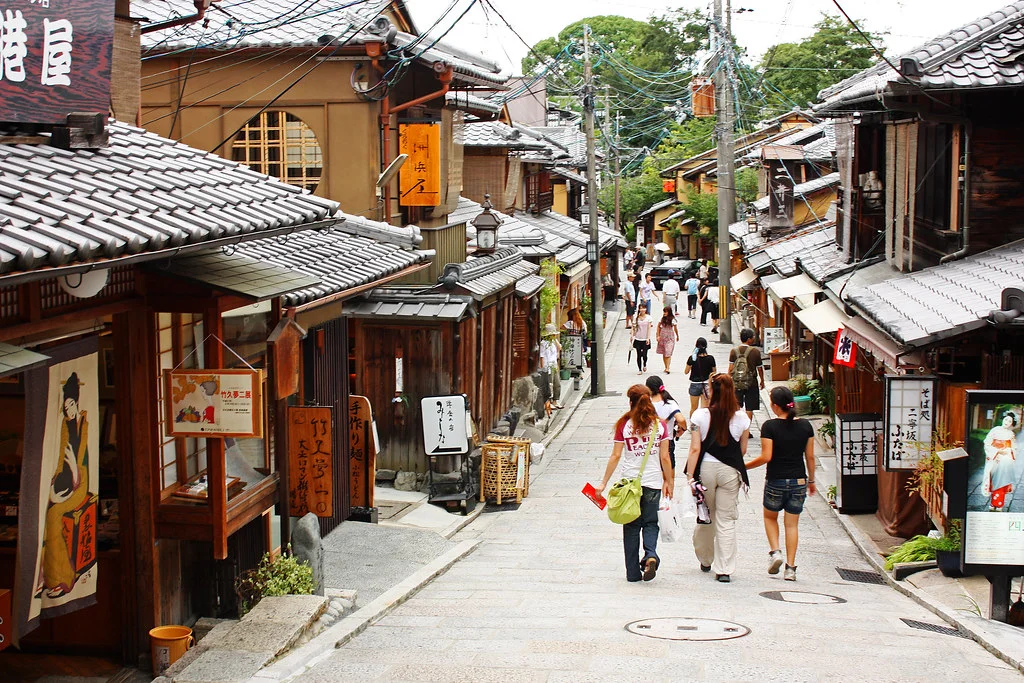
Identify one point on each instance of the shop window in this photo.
(180, 459)
(282, 146)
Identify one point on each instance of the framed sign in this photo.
(774, 338)
(993, 531)
(444, 424)
(362, 451)
(310, 461)
(857, 443)
(419, 181)
(572, 351)
(909, 420)
(214, 403)
(780, 201)
(55, 59)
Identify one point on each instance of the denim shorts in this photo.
(785, 494)
(696, 388)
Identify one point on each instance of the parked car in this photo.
(683, 268)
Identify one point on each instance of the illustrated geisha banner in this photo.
(57, 562)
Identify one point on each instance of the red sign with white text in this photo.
(846, 349)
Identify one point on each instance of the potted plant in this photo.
(827, 432)
(947, 550)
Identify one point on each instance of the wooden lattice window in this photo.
(180, 459)
(282, 146)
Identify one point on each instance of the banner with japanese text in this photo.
(419, 180)
(846, 349)
(54, 59)
(909, 420)
(310, 461)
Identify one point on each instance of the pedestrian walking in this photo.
(702, 270)
(747, 372)
(550, 352)
(692, 284)
(699, 366)
(668, 335)
(639, 259)
(629, 296)
(641, 338)
(708, 298)
(786, 444)
(718, 442)
(670, 291)
(634, 455)
(669, 412)
(647, 292)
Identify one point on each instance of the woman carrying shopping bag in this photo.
(718, 442)
(641, 450)
(786, 443)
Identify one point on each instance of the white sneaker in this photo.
(774, 561)
(789, 574)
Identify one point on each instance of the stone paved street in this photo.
(544, 597)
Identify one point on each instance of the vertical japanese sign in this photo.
(420, 178)
(362, 452)
(54, 59)
(214, 403)
(572, 351)
(909, 420)
(444, 424)
(780, 202)
(310, 462)
(846, 350)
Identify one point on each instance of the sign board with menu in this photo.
(214, 403)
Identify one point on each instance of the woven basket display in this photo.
(499, 473)
(522, 450)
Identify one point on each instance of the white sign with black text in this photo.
(909, 420)
(444, 424)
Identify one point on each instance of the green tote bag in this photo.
(624, 496)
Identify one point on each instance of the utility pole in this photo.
(726, 167)
(594, 251)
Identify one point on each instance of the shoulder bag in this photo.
(624, 496)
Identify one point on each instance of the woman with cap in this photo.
(550, 351)
(699, 366)
(786, 443)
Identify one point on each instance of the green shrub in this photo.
(287, 575)
(798, 385)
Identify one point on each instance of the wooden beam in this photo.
(213, 325)
(63, 319)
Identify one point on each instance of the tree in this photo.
(746, 185)
(835, 51)
(637, 194)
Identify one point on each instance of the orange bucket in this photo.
(168, 644)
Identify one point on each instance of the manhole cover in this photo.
(687, 628)
(803, 597)
(860, 576)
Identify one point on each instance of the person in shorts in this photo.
(748, 387)
(787, 443)
(629, 296)
(692, 285)
(700, 366)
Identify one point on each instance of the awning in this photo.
(734, 246)
(571, 175)
(239, 274)
(822, 317)
(798, 285)
(530, 285)
(16, 359)
(871, 339)
(741, 280)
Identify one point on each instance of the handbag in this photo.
(624, 496)
(703, 513)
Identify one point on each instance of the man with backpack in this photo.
(747, 372)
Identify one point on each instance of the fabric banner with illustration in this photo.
(57, 534)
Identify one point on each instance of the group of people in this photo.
(720, 414)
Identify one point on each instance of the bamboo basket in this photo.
(498, 473)
(522, 450)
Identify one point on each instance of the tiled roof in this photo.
(572, 139)
(141, 195)
(570, 175)
(800, 137)
(658, 206)
(562, 226)
(246, 24)
(531, 240)
(464, 101)
(984, 53)
(407, 304)
(354, 253)
(486, 275)
(498, 134)
(783, 253)
(824, 262)
(803, 189)
(942, 301)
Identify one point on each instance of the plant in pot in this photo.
(947, 550)
(827, 432)
(798, 384)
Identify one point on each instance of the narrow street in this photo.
(544, 597)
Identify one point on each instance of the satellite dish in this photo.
(391, 171)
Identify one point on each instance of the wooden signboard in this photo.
(214, 403)
(310, 462)
(362, 473)
(419, 181)
(286, 349)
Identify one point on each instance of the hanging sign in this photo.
(444, 424)
(993, 531)
(572, 350)
(362, 451)
(909, 420)
(214, 403)
(846, 351)
(310, 462)
(780, 202)
(54, 59)
(774, 339)
(419, 181)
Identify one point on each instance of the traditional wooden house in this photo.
(654, 222)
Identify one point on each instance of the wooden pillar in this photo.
(213, 326)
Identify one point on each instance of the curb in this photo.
(323, 645)
(972, 626)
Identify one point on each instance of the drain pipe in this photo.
(201, 7)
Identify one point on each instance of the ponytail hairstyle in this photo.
(699, 349)
(641, 411)
(723, 406)
(656, 386)
(783, 398)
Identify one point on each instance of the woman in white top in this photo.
(550, 350)
(669, 412)
(641, 338)
(633, 433)
(718, 442)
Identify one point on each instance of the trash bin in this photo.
(168, 644)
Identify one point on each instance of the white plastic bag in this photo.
(670, 521)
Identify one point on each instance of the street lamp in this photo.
(585, 217)
(486, 224)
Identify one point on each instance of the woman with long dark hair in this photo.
(718, 442)
(786, 443)
(699, 366)
(669, 413)
(633, 432)
(668, 335)
(641, 338)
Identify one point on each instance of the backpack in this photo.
(742, 376)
